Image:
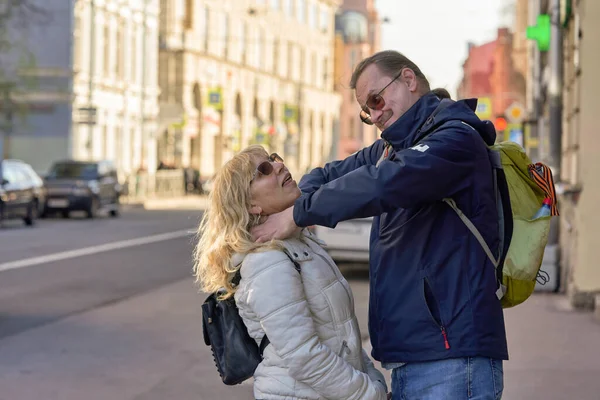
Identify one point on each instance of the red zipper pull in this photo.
(445, 338)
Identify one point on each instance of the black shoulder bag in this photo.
(235, 353)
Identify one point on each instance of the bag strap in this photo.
(265, 340)
(501, 290)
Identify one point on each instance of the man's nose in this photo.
(375, 115)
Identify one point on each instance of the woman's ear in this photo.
(255, 210)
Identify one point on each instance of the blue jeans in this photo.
(473, 378)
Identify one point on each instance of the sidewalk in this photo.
(554, 352)
(189, 202)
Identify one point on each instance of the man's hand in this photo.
(277, 226)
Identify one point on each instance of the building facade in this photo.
(357, 28)
(491, 75)
(580, 221)
(234, 73)
(90, 94)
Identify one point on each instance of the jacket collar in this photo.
(405, 131)
(296, 248)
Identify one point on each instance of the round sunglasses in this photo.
(266, 167)
(374, 102)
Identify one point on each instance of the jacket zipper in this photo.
(439, 324)
(446, 344)
(344, 348)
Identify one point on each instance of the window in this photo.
(119, 148)
(120, 50)
(301, 65)
(243, 47)
(301, 10)
(260, 56)
(290, 57)
(289, 7)
(324, 20)
(133, 76)
(77, 44)
(325, 73)
(205, 18)
(188, 21)
(104, 138)
(224, 39)
(106, 49)
(276, 56)
(315, 70)
(275, 4)
(353, 58)
(312, 16)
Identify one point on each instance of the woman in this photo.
(308, 315)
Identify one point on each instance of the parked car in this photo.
(349, 241)
(90, 186)
(21, 192)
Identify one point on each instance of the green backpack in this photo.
(521, 187)
(518, 267)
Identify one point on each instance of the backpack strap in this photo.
(265, 340)
(501, 289)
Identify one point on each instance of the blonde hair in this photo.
(225, 226)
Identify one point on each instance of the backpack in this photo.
(235, 353)
(520, 186)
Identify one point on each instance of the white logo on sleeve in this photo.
(421, 147)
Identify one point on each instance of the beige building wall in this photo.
(264, 57)
(358, 36)
(581, 149)
(520, 41)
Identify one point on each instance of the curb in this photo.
(180, 203)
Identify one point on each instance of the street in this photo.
(107, 309)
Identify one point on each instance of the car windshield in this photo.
(71, 170)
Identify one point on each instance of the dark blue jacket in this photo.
(432, 288)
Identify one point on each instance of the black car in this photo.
(89, 186)
(21, 192)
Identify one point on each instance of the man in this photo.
(434, 317)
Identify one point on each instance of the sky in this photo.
(434, 33)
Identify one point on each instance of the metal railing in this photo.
(162, 184)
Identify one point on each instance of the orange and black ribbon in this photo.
(542, 176)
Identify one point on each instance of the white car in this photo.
(349, 241)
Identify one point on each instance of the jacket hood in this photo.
(411, 126)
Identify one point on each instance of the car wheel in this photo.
(92, 209)
(115, 212)
(32, 212)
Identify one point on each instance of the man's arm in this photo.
(335, 169)
(437, 168)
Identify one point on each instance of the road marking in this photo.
(86, 251)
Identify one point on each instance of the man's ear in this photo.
(409, 77)
(255, 210)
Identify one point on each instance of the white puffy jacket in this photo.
(315, 349)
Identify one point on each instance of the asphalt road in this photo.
(107, 309)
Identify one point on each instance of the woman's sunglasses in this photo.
(266, 167)
(374, 102)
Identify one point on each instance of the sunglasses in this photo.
(374, 102)
(266, 167)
